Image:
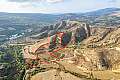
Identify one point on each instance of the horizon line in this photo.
(57, 13)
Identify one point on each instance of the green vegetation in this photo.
(11, 63)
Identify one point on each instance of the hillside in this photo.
(90, 53)
(96, 55)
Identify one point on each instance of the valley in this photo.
(70, 46)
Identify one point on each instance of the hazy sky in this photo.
(55, 6)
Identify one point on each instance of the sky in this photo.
(55, 6)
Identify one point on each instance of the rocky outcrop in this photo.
(80, 34)
(66, 38)
(79, 29)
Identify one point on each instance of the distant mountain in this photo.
(37, 18)
(108, 17)
(102, 12)
(26, 18)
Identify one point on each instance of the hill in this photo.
(89, 52)
(96, 55)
